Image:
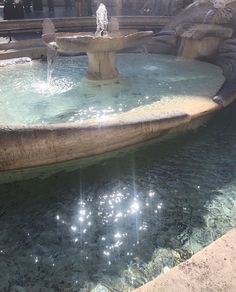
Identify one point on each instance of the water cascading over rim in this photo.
(101, 48)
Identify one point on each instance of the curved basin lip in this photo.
(130, 117)
(89, 43)
(123, 119)
(25, 148)
(182, 120)
(100, 124)
(92, 36)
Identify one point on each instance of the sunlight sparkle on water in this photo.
(117, 235)
(118, 215)
(159, 206)
(151, 194)
(135, 207)
(82, 212)
(81, 219)
(73, 228)
(106, 253)
(118, 243)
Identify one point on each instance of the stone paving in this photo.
(211, 270)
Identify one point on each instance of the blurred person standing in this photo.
(68, 4)
(27, 6)
(8, 10)
(50, 5)
(89, 7)
(79, 7)
(37, 5)
(19, 10)
(13, 9)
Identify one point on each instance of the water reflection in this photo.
(121, 222)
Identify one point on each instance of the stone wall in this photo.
(145, 7)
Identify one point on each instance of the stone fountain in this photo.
(154, 98)
(100, 47)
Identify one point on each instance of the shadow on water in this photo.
(80, 227)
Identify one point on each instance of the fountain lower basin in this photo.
(25, 145)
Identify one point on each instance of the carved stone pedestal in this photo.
(102, 66)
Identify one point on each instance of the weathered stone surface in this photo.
(203, 11)
(63, 142)
(212, 269)
(201, 40)
(14, 61)
(196, 49)
(101, 50)
(88, 42)
(226, 59)
(102, 66)
(28, 147)
(163, 44)
(200, 29)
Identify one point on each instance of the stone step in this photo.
(21, 44)
(82, 24)
(33, 53)
(211, 269)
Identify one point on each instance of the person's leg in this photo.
(20, 10)
(51, 5)
(89, 8)
(7, 10)
(79, 8)
(38, 5)
(68, 4)
(27, 4)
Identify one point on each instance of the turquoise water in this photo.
(26, 97)
(121, 222)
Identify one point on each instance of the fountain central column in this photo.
(102, 66)
(101, 63)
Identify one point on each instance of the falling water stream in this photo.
(51, 58)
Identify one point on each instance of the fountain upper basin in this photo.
(101, 50)
(81, 42)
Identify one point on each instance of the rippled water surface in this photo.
(119, 223)
(27, 98)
